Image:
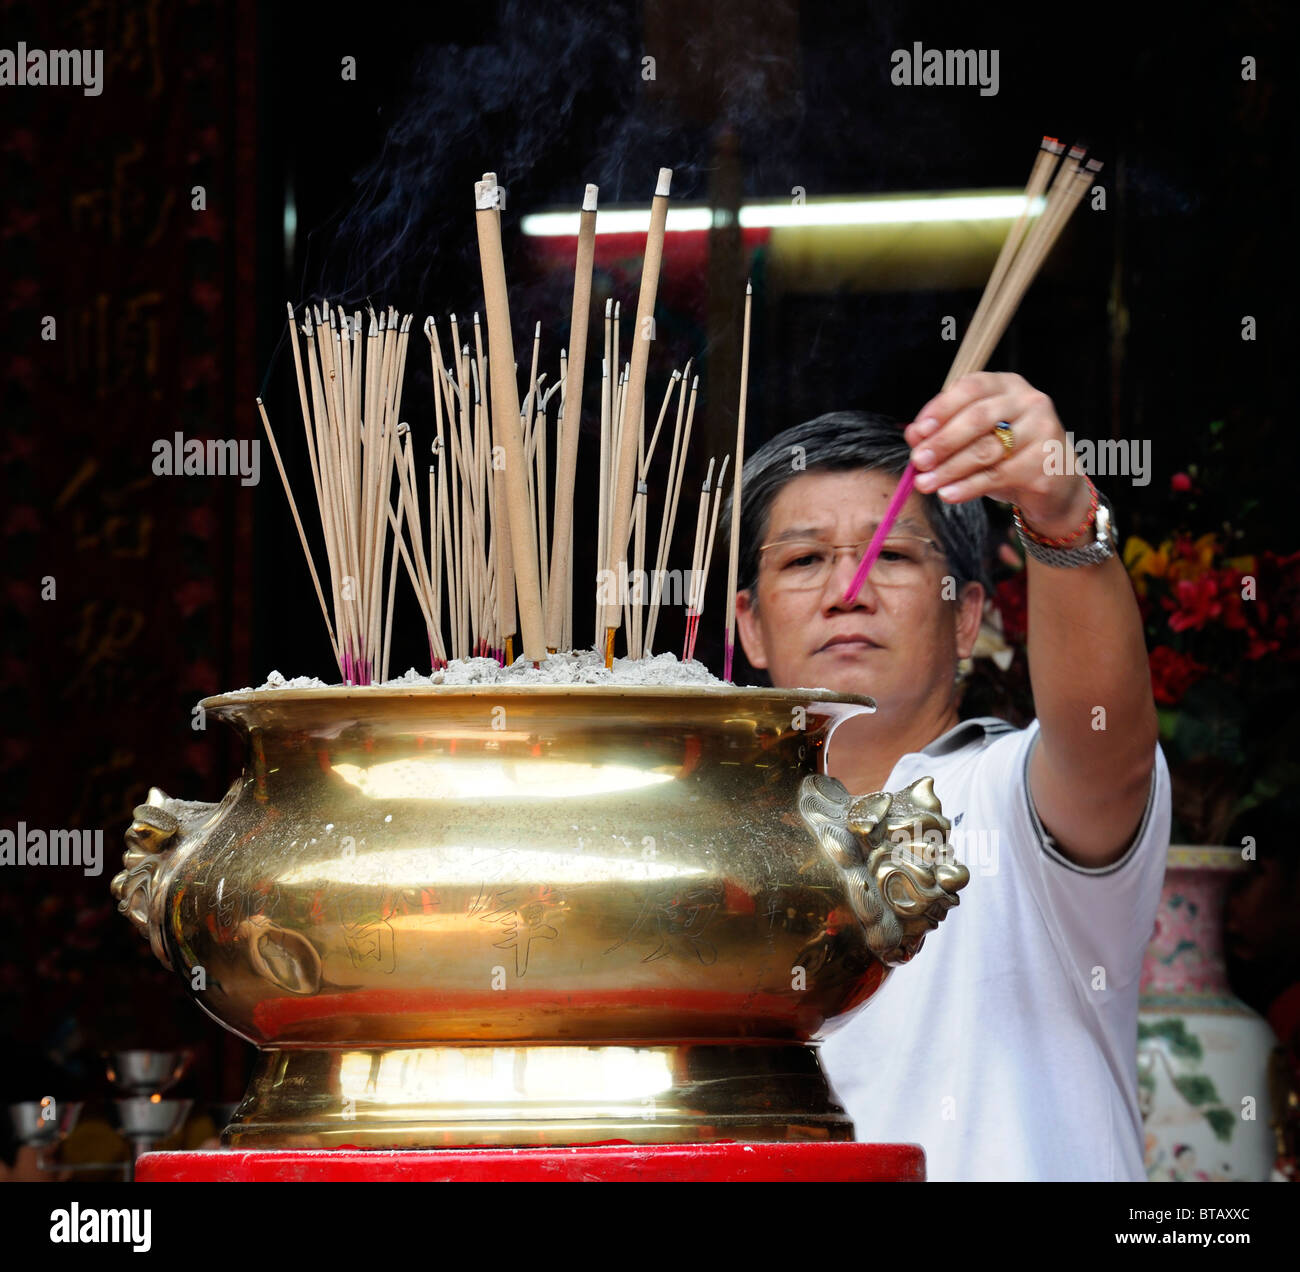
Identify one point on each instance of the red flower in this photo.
(1180, 482)
(1258, 647)
(1011, 598)
(1173, 674)
(1195, 602)
(1230, 583)
(1273, 612)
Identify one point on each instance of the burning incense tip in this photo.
(609, 306)
(589, 198)
(664, 183)
(749, 287)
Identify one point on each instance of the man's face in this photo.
(898, 642)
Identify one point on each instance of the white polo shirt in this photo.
(1007, 1048)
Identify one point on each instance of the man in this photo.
(1007, 1048)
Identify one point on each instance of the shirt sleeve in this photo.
(1098, 917)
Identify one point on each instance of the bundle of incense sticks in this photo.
(1019, 261)
(350, 392)
(496, 558)
(703, 556)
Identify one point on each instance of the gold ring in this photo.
(1002, 430)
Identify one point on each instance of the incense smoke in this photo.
(557, 100)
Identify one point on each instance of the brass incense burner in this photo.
(535, 915)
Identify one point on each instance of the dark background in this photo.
(170, 318)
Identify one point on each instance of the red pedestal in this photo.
(666, 1163)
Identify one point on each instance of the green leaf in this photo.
(1221, 1122)
(1211, 722)
(1168, 719)
(1216, 426)
(1183, 1045)
(1196, 1088)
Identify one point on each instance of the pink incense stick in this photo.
(877, 539)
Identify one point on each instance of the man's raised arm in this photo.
(1091, 770)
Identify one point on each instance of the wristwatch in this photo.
(1101, 548)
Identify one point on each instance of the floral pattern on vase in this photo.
(1202, 1053)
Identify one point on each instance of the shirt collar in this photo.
(963, 734)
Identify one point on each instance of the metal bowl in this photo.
(146, 1072)
(42, 1123)
(536, 915)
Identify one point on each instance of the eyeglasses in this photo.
(804, 565)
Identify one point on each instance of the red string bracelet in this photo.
(1069, 538)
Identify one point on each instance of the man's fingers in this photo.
(985, 450)
(972, 426)
(961, 392)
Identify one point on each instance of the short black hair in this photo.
(836, 442)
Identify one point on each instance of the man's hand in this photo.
(1090, 773)
(957, 453)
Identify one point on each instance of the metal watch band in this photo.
(1100, 549)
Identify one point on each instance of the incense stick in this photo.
(670, 511)
(739, 469)
(624, 485)
(571, 414)
(1048, 152)
(505, 415)
(708, 554)
(602, 515)
(1068, 186)
(302, 534)
(1030, 260)
(697, 558)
